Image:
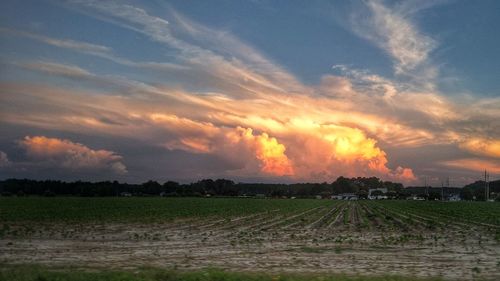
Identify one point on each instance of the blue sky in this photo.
(301, 91)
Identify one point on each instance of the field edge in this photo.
(33, 272)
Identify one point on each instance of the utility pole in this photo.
(447, 185)
(426, 188)
(442, 191)
(486, 186)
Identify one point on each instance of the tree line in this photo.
(205, 187)
(223, 187)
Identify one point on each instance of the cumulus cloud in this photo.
(299, 148)
(73, 156)
(4, 160)
(268, 151)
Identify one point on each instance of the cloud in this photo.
(301, 149)
(4, 160)
(221, 61)
(96, 50)
(482, 147)
(244, 111)
(62, 43)
(403, 40)
(58, 69)
(474, 164)
(403, 174)
(315, 134)
(393, 30)
(268, 151)
(69, 155)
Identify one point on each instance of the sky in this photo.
(254, 91)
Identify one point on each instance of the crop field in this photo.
(451, 240)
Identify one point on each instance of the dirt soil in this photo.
(313, 241)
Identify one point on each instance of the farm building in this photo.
(377, 193)
(454, 197)
(345, 196)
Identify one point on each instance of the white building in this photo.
(345, 196)
(372, 197)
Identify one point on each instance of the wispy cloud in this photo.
(62, 43)
(222, 59)
(474, 164)
(393, 30)
(58, 69)
(96, 50)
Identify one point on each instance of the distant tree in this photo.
(222, 187)
(403, 194)
(392, 194)
(466, 194)
(225, 187)
(373, 182)
(363, 194)
(151, 187)
(434, 196)
(393, 186)
(342, 185)
(170, 187)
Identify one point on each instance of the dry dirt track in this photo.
(347, 238)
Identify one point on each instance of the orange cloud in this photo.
(67, 154)
(403, 174)
(322, 152)
(474, 164)
(272, 155)
(300, 136)
(482, 147)
(268, 151)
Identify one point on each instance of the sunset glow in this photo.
(182, 93)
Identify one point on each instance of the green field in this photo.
(478, 212)
(148, 209)
(154, 209)
(117, 238)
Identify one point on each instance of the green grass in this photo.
(478, 212)
(36, 273)
(152, 209)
